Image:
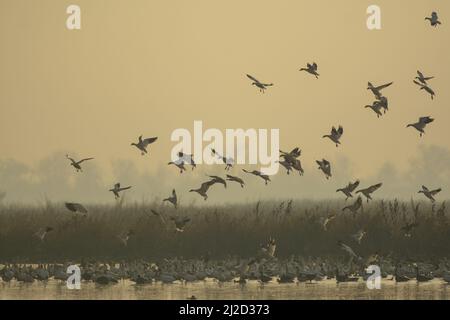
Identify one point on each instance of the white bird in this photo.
(42, 233)
(376, 90)
(77, 164)
(368, 191)
(75, 207)
(325, 166)
(311, 68)
(236, 179)
(217, 179)
(143, 144)
(349, 189)
(426, 88)
(229, 162)
(430, 193)
(172, 199)
(420, 126)
(434, 20)
(117, 189)
(262, 86)
(335, 135)
(257, 173)
(179, 163)
(422, 79)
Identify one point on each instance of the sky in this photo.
(151, 67)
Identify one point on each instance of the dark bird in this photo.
(172, 199)
(355, 206)
(325, 166)
(426, 88)
(203, 189)
(187, 158)
(143, 144)
(117, 189)
(368, 191)
(430, 193)
(376, 90)
(262, 86)
(236, 179)
(335, 135)
(217, 179)
(349, 189)
(257, 173)
(229, 162)
(420, 126)
(422, 79)
(311, 69)
(434, 20)
(75, 207)
(376, 107)
(77, 164)
(180, 223)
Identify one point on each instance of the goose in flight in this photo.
(236, 179)
(368, 191)
(42, 233)
(349, 250)
(117, 189)
(257, 173)
(75, 207)
(327, 220)
(262, 86)
(311, 69)
(434, 20)
(125, 236)
(172, 199)
(203, 189)
(349, 189)
(376, 107)
(359, 236)
(325, 166)
(383, 103)
(77, 164)
(179, 163)
(430, 193)
(335, 135)
(422, 79)
(180, 223)
(217, 179)
(376, 90)
(187, 158)
(286, 165)
(355, 206)
(297, 165)
(291, 158)
(229, 162)
(143, 144)
(420, 126)
(426, 88)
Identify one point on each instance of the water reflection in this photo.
(328, 289)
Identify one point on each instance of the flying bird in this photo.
(229, 162)
(430, 193)
(426, 88)
(172, 199)
(236, 179)
(203, 189)
(349, 189)
(117, 189)
(179, 163)
(355, 206)
(376, 90)
(257, 173)
(180, 222)
(75, 207)
(420, 126)
(434, 19)
(325, 166)
(376, 107)
(335, 135)
(143, 144)
(286, 165)
(262, 86)
(77, 164)
(422, 79)
(368, 191)
(311, 69)
(187, 158)
(217, 179)
(42, 233)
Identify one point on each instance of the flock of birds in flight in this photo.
(289, 160)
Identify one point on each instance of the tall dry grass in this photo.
(220, 231)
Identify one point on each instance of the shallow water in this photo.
(209, 289)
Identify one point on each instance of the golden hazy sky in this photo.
(149, 67)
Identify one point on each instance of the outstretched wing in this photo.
(426, 120)
(150, 140)
(75, 207)
(86, 159)
(384, 86)
(420, 74)
(419, 84)
(252, 78)
(434, 192)
(374, 187)
(314, 66)
(353, 186)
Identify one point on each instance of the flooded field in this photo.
(205, 290)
